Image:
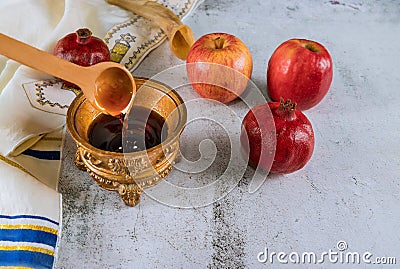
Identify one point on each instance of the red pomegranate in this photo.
(294, 137)
(82, 48)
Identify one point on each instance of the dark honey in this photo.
(146, 129)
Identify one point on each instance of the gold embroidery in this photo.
(76, 91)
(16, 165)
(41, 98)
(29, 227)
(36, 107)
(27, 248)
(51, 139)
(121, 47)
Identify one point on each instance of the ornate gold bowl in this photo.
(129, 173)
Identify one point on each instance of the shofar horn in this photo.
(180, 35)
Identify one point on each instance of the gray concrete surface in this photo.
(349, 191)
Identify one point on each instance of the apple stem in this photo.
(311, 47)
(219, 42)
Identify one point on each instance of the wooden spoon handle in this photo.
(39, 60)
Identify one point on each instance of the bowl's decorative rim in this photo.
(139, 81)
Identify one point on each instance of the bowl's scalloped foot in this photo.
(130, 193)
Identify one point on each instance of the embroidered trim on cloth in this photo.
(27, 241)
(16, 165)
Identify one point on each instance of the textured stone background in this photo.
(349, 190)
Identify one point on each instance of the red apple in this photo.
(219, 66)
(300, 70)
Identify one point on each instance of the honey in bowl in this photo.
(146, 129)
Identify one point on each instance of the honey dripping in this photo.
(146, 129)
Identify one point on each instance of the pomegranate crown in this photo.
(83, 33)
(287, 105)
